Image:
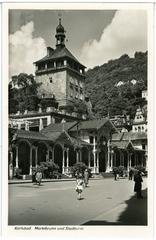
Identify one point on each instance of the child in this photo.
(79, 186)
(39, 177)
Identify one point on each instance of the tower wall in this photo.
(53, 83)
(75, 86)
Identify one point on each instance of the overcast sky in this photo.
(94, 37)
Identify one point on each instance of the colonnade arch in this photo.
(24, 157)
(102, 161)
(41, 152)
(58, 155)
(72, 156)
(84, 155)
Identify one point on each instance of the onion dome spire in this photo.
(60, 35)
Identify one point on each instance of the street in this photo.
(104, 202)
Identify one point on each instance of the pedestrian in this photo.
(34, 176)
(79, 186)
(138, 184)
(86, 177)
(115, 173)
(130, 174)
(39, 177)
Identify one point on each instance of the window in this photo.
(50, 79)
(143, 146)
(71, 85)
(136, 129)
(91, 139)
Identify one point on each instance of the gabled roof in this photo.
(59, 53)
(31, 135)
(58, 127)
(122, 144)
(126, 136)
(126, 145)
(95, 124)
(65, 138)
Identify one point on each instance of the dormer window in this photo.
(50, 80)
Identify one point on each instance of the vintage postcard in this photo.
(77, 120)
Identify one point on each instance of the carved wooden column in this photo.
(30, 170)
(36, 157)
(89, 158)
(97, 162)
(16, 156)
(111, 161)
(63, 161)
(108, 157)
(77, 156)
(67, 159)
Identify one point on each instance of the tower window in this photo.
(50, 79)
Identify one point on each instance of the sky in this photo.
(93, 36)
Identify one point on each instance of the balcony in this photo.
(57, 68)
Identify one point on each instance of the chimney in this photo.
(49, 51)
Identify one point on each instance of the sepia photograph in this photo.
(78, 117)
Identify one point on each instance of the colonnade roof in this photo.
(126, 136)
(65, 138)
(60, 137)
(31, 135)
(122, 144)
(58, 127)
(95, 124)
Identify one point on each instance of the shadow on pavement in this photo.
(134, 214)
(32, 186)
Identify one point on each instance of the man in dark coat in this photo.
(138, 184)
(130, 174)
(115, 172)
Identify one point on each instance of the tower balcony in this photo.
(46, 69)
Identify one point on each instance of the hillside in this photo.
(115, 87)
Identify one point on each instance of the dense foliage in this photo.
(23, 93)
(115, 87)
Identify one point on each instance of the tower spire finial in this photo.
(59, 15)
(60, 34)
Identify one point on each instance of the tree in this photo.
(23, 93)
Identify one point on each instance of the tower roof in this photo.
(59, 53)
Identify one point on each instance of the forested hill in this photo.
(115, 87)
